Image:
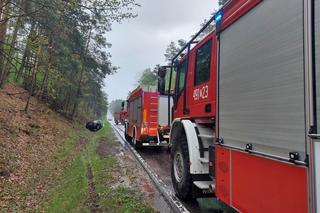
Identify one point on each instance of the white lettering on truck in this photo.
(201, 93)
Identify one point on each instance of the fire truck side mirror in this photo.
(162, 72)
(161, 80)
(122, 105)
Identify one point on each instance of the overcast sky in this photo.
(140, 43)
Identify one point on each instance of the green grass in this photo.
(68, 147)
(101, 167)
(71, 192)
(119, 199)
(70, 195)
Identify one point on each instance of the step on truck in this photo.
(147, 118)
(245, 124)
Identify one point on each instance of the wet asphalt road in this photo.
(158, 159)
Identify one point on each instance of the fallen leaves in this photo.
(28, 143)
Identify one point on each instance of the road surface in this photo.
(158, 161)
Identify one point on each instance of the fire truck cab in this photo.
(245, 124)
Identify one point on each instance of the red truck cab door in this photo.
(195, 88)
(201, 81)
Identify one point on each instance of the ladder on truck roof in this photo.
(216, 18)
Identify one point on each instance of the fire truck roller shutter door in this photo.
(262, 80)
(139, 111)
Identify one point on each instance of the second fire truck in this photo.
(147, 120)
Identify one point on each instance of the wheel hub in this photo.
(178, 167)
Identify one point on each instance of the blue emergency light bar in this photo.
(218, 16)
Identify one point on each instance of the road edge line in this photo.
(171, 199)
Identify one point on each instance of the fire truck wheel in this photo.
(127, 137)
(136, 144)
(180, 171)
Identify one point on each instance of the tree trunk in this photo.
(3, 31)
(43, 92)
(75, 106)
(26, 53)
(22, 66)
(1, 8)
(33, 78)
(30, 91)
(28, 74)
(66, 101)
(44, 83)
(8, 66)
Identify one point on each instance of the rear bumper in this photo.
(146, 138)
(150, 144)
(151, 141)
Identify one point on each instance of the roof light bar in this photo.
(218, 16)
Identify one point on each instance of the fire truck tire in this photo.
(136, 144)
(180, 170)
(126, 136)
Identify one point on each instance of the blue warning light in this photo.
(218, 16)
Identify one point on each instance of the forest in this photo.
(57, 50)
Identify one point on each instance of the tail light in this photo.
(144, 129)
(144, 116)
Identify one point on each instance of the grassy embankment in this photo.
(50, 164)
(87, 183)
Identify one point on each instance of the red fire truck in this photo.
(116, 117)
(120, 117)
(147, 123)
(245, 125)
